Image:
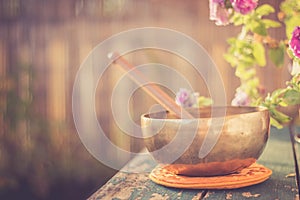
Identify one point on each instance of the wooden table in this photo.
(280, 186)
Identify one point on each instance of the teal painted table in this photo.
(277, 156)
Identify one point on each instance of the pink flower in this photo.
(295, 42)
(218, 12)
(244, 6)
(241, 99)
(186, 98)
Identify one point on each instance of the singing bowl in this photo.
(217, 141)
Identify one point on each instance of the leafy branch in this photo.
(248, 51)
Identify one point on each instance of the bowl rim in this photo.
(252, 109)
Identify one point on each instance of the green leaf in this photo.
(258, 28)
(277, 93)
(275, 123)
(289, 6)
(271, 23)
(290, 24)
(292, 97)
(237, 19)
(265, 9)
(204, 101)
(253, 83)
(259, 54)
(291, 10)
(279, 116)
(277, 55)
(231, 40)
(230, 59)
(245, 74)
(283, 104)
(290, 53)
(295, 82)
(248, 60)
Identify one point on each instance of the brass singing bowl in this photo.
(217, 141)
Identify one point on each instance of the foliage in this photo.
(249, 50)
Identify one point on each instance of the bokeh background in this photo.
(43, 43)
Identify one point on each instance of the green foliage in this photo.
(283, 97)
(291, 23)
(254, 22)
(204, 101)
(272, 101)
(291, 10)
(259, 54)
(295, 83)
(248, 50)
(263, 10)
(292, 97)
(258, 28)
(277, 54)
(270, 23)
(245, 53)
